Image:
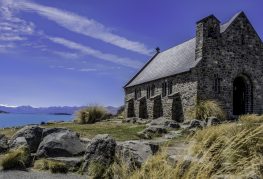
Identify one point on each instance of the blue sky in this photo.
(80, 52)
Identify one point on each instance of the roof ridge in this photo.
(224, 26)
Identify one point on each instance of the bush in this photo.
(53, 166)
(205, 109)
(251, 118)
(16, 159)
(90, 115)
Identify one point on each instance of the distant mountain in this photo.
(49, 110)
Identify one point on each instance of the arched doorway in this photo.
(242, 95)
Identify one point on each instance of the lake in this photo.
(10, 120)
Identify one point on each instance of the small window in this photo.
(148, 92)
(170, 87)
(242, 39)
(217, 84)
(152, 90)
(136, 94)
(211, 32)
(139, 93)
(164, 89)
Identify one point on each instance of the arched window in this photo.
(217, 84)
(148, 92)
(242, 39)
(137, 93)
(211, 32)
(153, 90)
(170, 87)
(164, 89)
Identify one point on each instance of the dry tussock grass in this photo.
(232, 150)
(205, 109)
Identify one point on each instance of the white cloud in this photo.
(12, 29)
(66, 55)
(96, 53)
(81, 25)
(87, 69)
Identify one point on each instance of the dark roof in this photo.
(172, 61)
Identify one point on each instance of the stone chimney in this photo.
(207, 34)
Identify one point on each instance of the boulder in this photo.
(152, 131)
(211, 121)
(196, 124)
(28, 135)
(172, 124)
(131, 120)
(101, 150)
(3, 143)
(61, 144)
(47, 131)
(135, 153)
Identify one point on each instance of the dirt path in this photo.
(15, 174)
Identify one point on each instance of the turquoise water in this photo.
(10, 120)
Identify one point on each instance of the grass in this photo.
(119, 131)
(90, 115)
(205, 109)
(233, 150)
(52, 166)
(251, 118)
(8, 132)
(15, 159)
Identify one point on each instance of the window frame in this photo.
(170, 87)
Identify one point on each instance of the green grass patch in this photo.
(119, 131)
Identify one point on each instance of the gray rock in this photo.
(47, 131)
(131, 120)
(211, 121)
(152, 131)
(100, 150)
(19, 141)
(135, 153)
(32, 135)
(173, 134)
(3, 143)
(61, 144)
(172, 124)
(196, 124)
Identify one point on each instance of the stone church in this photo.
(222, 63)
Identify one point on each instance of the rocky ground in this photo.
(66, 146)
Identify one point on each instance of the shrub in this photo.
(57, 167)
(16, 159)
(205, 109)
(53, 166)
(91, 115)
(251, 118)
(41, 164)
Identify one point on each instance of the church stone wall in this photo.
(183, 97)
